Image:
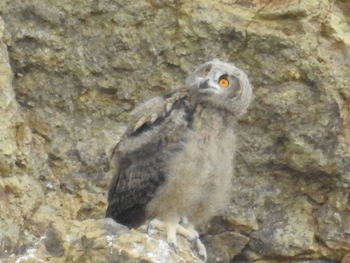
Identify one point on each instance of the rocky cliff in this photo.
(70, 72)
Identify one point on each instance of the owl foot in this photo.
(169, 227)
(174, 228)
(197, 244)
(200, 249)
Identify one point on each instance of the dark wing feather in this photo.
(142, 156)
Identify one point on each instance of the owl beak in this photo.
(204, 85)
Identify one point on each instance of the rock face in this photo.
(70, 71)
(104, 241)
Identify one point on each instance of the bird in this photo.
(175, 162)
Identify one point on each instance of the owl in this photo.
(175, 162)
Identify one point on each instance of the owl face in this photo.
(215, 77)
(221, 83)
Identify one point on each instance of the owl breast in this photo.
(199, 177)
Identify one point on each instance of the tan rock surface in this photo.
(70, 71)
(104, 241)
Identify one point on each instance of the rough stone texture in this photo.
(80, 66)
(103, 241)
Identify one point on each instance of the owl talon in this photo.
(168, 107)
(149, 227)
(200, 249)
(192, 235)
(173, 246)
(188, 232)
(154, 117)
(139, 123)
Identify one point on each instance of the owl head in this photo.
(223, 84)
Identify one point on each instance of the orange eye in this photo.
(224, 82)
(206, 72)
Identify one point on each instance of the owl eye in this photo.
(223, 82)
(206, 72)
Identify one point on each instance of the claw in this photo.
(174, 228)
(170, 229)
(149, 227)
(200, 249)
(168, 107)
(173, 247)
(154, 117)
(139, 123)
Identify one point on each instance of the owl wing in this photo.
(140, 159)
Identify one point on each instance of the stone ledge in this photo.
(104, 240)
